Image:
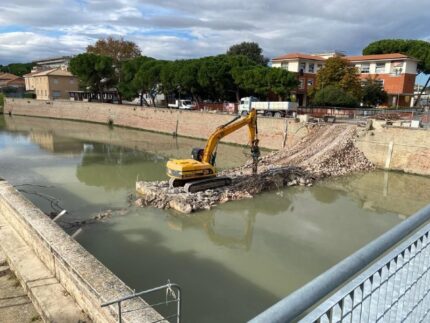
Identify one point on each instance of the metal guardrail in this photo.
(379, 291)
(394, 289)
(176, 298)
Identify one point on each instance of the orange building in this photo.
(396, 72)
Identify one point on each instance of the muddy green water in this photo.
(233, 261)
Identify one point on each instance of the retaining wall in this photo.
(87, 280)
(392, 148)
(196, 124)
(397, 148)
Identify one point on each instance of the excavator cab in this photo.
(197, 154)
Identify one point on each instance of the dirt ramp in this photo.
(328, 150)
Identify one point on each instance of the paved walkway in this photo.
(15, 306)
(50, 298)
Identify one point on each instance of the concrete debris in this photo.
(328, 150)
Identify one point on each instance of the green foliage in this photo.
(128, 86)
(218, 78)
(29, 95)
(332, 95)
(17, 69)
(95, 72)
(1, 99)
(251, 50)
(418, 49)
(340, 74)
(373, 93)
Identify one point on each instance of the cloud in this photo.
(172, 29)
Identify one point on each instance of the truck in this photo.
(182, 104)
(267, 108)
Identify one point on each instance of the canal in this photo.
(232, 261)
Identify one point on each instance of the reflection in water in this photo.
(232, 261)
(221, 230)
(114, 167)
(55, 144)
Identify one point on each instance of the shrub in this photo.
(334, 96)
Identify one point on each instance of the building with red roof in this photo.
(396, 72)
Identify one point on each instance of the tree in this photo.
(418, 49)
(251, 50)
(281, 82)
(95, 72)
(332, 95)
(128, 85)
(238, 65)
(186, 78)
(263, 80)
(18, 69)
(373, 92)
(118, 49)
(339, 73)
(148, 78)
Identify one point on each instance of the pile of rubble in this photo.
(327, 150)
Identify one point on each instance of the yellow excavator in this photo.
(199, 173)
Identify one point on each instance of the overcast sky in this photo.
(171, 29)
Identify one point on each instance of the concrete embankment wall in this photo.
(397, 148)
(194, 124)
(391, 148)
(87, 280)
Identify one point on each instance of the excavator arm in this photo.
(250, 120)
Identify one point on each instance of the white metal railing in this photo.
(395, 288)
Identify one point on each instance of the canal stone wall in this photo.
(274, 133)
(87, 280)
(397, 148)
(391, 148)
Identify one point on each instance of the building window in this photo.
(301, 84)
(310, 83)
(302, 67)
(319, 66)
(380, 68)
(46, 93)
(72, 81)
(56, 94)
(311, 68)
(380, 82)
(364, 68)
(396, 68)
(55, 81)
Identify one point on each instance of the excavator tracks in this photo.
(206, 184)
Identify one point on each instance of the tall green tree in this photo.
(120, 51)
(251, 50)
(148, 78)
(373, 92)
(95, 72)
(418, 49)
(339, 73)
(128, 84)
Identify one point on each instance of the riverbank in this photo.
(387, 147)
(274, 133)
